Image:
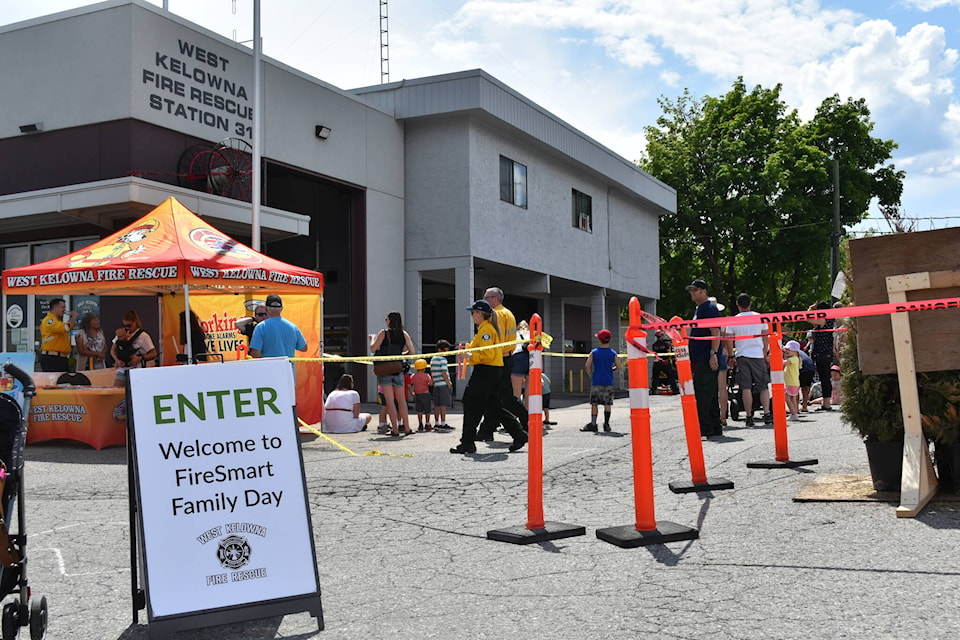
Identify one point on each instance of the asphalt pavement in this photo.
(402, 548)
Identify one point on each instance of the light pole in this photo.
(835, 234)
(257, 129)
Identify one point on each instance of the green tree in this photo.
(755, 193)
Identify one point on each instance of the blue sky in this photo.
(601, 65)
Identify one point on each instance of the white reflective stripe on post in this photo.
(536, 359)
(639, 398)
(536, 404)
(633, 352)
(776, 377)
(687, 388)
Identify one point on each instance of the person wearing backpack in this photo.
(132, 347)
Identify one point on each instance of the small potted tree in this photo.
(940, 409)
(871, 406)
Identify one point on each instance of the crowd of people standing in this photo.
(746, 350)
(493, 396)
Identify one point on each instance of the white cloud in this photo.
(885, 68)
(930, 5)
(670, 78)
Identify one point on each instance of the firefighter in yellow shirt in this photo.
(481, 398)
(513, 413)
(55, 345)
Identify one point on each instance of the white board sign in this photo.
(224, 515)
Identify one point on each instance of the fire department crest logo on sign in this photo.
(233, 552)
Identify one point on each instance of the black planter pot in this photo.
(948, 466)
(886, 464)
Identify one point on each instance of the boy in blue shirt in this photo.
(601, 363)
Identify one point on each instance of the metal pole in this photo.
(187, 324)
(257, 129)
(835, 235)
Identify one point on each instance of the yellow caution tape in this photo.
(546, 339)
(411, 356)
(345, 449)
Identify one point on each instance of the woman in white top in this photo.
(141, 348)
(341, 411)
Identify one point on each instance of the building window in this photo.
(513, 182)
(582, 211)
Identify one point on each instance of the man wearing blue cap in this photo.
(276, 336)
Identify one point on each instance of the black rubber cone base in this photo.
(688, 486)
(628, 537)
(551, 531)
(784, 464)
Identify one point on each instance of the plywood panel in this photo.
(936, 334)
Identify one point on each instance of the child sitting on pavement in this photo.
(421, 381)
(836, 397)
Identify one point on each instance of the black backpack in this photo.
(125, 348)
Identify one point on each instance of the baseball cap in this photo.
(273, 300)
(835, 367)
(604, 335)
(793, 345)
(419, 364)
(480, 305)
(696, 284)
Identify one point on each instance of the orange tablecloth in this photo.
(94, 415)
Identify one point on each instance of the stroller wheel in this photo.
(734, 409)
(38, 619)
(10, 623)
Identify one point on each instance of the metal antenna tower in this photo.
(384, 43)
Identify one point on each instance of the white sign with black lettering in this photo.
(223, 509)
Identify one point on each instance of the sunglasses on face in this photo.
(260, 315)
(127, 325)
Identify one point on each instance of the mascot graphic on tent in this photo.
(126, 246)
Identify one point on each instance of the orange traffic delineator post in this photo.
(536, 529)
(778, 400)
(646, 530)
(691, 426)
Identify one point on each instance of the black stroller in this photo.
(735, 398)
(19, 611)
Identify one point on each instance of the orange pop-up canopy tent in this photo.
(171, 250)
(166, 250)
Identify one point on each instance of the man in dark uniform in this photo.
(704, 361)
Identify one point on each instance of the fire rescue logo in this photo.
(216, 243)
(233, 552)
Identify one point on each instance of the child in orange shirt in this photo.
(422, 381)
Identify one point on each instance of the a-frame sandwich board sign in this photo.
(220, 523)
